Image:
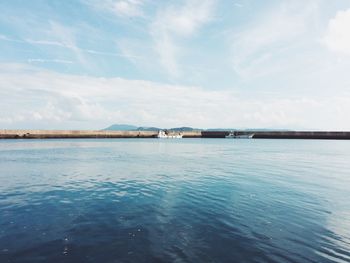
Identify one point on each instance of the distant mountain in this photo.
(182, 129)
(148, 129)
(220, 129)
(121, 127)
(127, 127)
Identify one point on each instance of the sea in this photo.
(174, 200)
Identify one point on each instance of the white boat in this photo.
(165, 135)
(234, 135)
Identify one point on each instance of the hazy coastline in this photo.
(61, 134)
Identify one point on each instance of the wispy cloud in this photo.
(126, 8)
(6, 38)
(258, 47)
(178, 22)
(66, 36)
(66, 45)
(129, 8)
(61, 36)
(40, 60)
(48, 43)
(75, 48)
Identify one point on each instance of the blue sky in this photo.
(86, 64)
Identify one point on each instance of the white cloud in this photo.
(128, 7)
(6, 38)
(338, 33)
(44, 99)
(81, 50)
(123, 8)
(49, 43)
(262, 47)
(184, 20)
(173, 23)
(41, 60)
(59, 36)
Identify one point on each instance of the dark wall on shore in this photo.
(330, 135)
(304, 135)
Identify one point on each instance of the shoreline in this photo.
(72, 134)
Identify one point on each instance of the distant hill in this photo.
(182, 129)
(148, 129)
(220, 129)
(127, 127)
(121, 127)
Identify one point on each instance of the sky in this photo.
(87, 64)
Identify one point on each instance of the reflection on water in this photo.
(190, 200)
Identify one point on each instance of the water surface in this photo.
(188, 200)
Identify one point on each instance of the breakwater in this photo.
(71, 134)
(61, 134)
(320, 135)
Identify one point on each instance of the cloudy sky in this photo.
(86, 64)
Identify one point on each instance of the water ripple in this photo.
(174, 201)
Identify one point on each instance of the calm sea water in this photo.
(187, 200)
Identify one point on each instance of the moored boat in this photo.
(165, 135)
(235, 135)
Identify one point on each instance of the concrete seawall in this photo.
(324, 135)
(304, 135)
(57, 134)
(60, 134)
